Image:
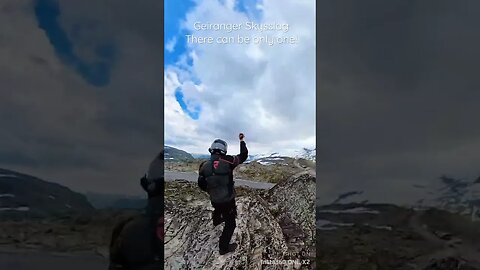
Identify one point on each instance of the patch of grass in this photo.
(266, 173)
(183, 191)
(183, 166)
(255, 171)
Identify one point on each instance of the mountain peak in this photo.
(22, 193)
(175, 154)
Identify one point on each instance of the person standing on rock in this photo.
(153, 182)
(137, 242)
(216, 178)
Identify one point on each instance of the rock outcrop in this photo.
(294, 200)
(275, 229)
(383, 236)
(192, 241)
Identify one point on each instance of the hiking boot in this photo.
(231, 248)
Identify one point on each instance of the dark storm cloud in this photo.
(97, 73)
(80, 99)
(399, 94)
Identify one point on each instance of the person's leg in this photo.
(217, 214)
(230, 214)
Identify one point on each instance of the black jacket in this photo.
(216, 174)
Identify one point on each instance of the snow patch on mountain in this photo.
(21, 208)
(8, 175)
(308, 154)
(356, 210)
(454, 195)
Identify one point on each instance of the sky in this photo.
(398, 96)
(81, 91)
(218, 90)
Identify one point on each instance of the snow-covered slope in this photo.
(308, 154)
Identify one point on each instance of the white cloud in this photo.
(170, 46)
(268, 92)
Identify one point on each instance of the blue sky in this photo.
(175, 12)
(218, 90)
(176, 44)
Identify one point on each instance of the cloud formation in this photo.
(267, 92)
(399, 96)
(63, 118)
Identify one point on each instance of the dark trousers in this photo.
(225, 212)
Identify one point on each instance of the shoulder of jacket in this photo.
(229, 158)
(202, 165)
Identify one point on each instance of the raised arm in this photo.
(243, 152)
(240, 158)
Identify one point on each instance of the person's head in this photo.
(156, 170)
(218, 147)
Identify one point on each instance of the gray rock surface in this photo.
(270, 227)
(295, 199)
(192, 241)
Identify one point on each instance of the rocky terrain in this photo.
(272, 225)
(66, 234)
(383, 236)
(270, 170)
(40, 217)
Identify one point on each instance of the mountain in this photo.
(308, 154)
(201, 156)
(423, 239)
(26, 195)
(116, 201)
(454, 195)
(174, 154)
(269, 159)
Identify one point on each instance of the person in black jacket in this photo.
(137, 242)
(216, 178)
(153, 182)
